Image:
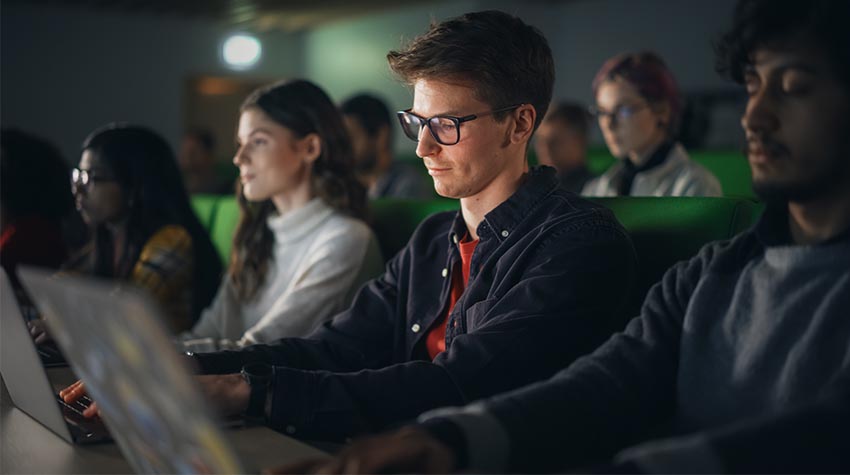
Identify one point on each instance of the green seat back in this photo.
(394, 220)
(731, 169)
(670, 229)
(599, 160)
(664, 230)
(205, 207)
(224, 226)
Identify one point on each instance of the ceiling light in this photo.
(241, 51)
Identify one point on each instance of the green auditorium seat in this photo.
(670, 229)
(394, 220)
(731, 169)
(205, 207)
(224, 225)
(664, 230)
(599, 160)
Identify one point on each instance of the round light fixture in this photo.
(241, 51)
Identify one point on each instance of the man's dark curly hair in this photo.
(762, 22)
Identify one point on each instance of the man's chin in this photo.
(770, 192)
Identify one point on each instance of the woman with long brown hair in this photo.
(300, 250)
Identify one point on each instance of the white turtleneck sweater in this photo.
(321, 258)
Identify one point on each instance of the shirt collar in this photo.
(502, 220)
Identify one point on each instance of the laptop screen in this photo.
(117, 345)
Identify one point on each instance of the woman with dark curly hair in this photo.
(129, 191)
(300, 250)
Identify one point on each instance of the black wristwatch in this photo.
(259, 377)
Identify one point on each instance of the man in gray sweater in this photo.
(740, 358)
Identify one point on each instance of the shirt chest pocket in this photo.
(476, 315)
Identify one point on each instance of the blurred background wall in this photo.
(68, 67)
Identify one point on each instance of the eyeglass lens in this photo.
(443, 129)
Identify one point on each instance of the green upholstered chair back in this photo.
(394, 220)
(671, 229)
(664, 230)
(205, 207)
(224, 226)
(730, 168)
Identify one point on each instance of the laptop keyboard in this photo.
(77, 407)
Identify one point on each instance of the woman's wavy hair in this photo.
(303, 108)
(145, 168)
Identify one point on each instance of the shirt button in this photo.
(415, 328)
(445, 271)
(454, 238)
(290, 430)
(505, 233)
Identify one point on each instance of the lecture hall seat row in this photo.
(664, 230)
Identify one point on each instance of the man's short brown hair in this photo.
(507, 61)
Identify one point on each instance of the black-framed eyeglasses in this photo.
(444, 128)
(85, 177)
(621, 112)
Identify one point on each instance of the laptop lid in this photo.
(20, 365)
(115, 341)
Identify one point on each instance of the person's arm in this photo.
(811, 438)
(164, 269)
(598, 405)
(375, 310)
(319, 287)
(560, 310)
(211, 322)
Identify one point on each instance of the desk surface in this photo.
(28, 447)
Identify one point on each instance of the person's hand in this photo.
(38, 331)
(74, 393)
(408, 450)
(229, 393)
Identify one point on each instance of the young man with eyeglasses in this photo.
(523, 280)
(739, 361)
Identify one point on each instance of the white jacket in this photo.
(321, 258)
(678, 175)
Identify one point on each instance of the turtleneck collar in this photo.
(297, 223)
(630, 169)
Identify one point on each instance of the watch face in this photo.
(258, 370)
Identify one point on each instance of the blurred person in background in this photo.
(369, 125)
(638, 107)
(561, 142)
(129, 191)
(35, 198)
(198, 165)
(301, 249)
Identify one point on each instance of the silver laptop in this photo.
(116, 342)
(27, 382)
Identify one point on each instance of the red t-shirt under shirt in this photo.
(435, 342)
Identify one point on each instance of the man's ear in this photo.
(312, 147)
(523, 119)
